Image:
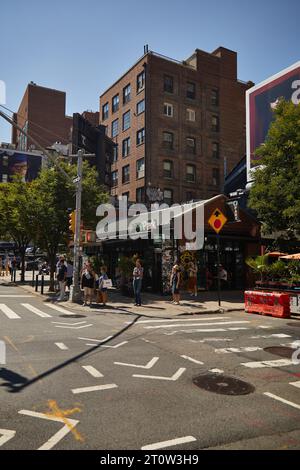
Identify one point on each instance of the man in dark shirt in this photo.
(61, 277)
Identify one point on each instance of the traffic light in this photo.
(72, 217)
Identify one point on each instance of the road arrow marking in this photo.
(170, 443)
(173, 378)
(60, 434)
(94, 372)
(238, 350)
(35, 310)
(69, 324)
(147, 366)
(70, 327)
(7, 435)
(275, 363)
(114, 347)
(94, 389)
(61, 346)
(192, 360)
(96, 340)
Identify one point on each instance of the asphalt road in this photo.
(112, 380)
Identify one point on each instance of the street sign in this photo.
(217, 220)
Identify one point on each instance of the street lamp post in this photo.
(78, 182)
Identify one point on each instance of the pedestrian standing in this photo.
(88, 283)
(138, 273)
(103, 297)
(61, 277)
(193, 289)
(70, 271)
(175, 284)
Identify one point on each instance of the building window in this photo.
(115, 153)
(126, 121)
(168, 169)
(191, 173)
(126, 147)
(168, 109)
(215, 97)
(216, 177)
(215, 124)
(191, 90)
(140, 168)
(140, 194)
(140, 107)
(168, 84)
(168, 140)
(191, 145)
(126, 94)
(114, 178)
(190, 115)
(140, 137)
(215, 150)
(140, 82)
(125, 174)
(115, 128)
(115, 103)
(105, 109)
(168, 196)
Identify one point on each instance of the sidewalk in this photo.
(153, 305)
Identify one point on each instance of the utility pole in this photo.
(78, 182)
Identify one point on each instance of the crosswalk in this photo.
(24, 310)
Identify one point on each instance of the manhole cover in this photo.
(281, 351)
(73, 316)
(294, 324)
(223, 385)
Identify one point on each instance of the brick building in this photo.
(179, 126)
(42, 113)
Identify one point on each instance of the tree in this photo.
(16, 216)
(275, 194)
(54, 198)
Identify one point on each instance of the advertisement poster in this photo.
(13, 163)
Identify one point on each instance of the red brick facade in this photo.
(191, 172)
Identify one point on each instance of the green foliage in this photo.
(259, 265)
(126, 266)
(275, 194)
(278, 271)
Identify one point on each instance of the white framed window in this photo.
(191, 115)
(140, 168)
(191, 173)
(168, 109)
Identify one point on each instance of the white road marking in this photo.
(94, 372)
(60, 434)
(179, 320)
(114, 347)
(8, 312)
(276, 363)
(93, 389)
(238, 350)
(70, 327)
(276, 397)
(16, 295)
(62, 346)
(295, 384)
(279, 335)
(148, 341)
(68, 324)
(202, 330)
(192, 360)
(209, 339)
(170, 443)
(238, 328)
(7, 435)
(97, 340)
(216, 371)
(147, 366)
(60, 309)
(36, 311)
(198, 324)
(265, 327)
(173, 378)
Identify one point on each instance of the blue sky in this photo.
(81, 47)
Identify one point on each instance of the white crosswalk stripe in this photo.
(174, 325)
(35, 310)
(60, 309)
(9, 312)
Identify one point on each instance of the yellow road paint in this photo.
(59, 413)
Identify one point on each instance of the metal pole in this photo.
(42, 285)
(76, 290)
(36, 283)
(33, 278)
(218, 269)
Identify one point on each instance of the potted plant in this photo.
(260, 267)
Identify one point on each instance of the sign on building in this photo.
(260, 103)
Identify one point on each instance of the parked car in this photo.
(34, 264)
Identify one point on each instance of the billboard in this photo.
(260, 102)
(13, 162)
